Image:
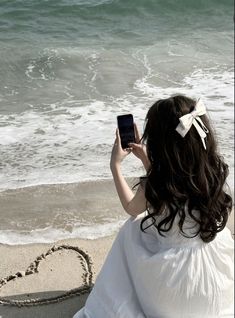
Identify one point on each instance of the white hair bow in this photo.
(193, 118)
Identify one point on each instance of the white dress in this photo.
(146, 275)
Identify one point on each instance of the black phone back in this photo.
(126, 129)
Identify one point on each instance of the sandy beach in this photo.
(58, 270)
(57, 274)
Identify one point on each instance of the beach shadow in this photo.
(62, 309)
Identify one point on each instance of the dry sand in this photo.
(57, 273)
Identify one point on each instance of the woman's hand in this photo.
(118, 154)
(133, 204)
(139, 149)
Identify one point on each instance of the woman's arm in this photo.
(133, 204)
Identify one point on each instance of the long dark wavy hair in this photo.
(183, 172)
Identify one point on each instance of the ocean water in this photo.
(69, 67)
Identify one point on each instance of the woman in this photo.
(174, 256)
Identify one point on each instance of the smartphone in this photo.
(126, 129)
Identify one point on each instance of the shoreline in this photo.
(48, 213)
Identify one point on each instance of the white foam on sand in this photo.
(50, 235)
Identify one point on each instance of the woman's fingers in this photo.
(118, 138)
(119, 144)
(137, 134)
(128, 150)
(135, 146)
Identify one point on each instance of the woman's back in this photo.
(174, 257)
(180, 277)
(149, 276)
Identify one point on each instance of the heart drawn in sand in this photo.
(33, 268)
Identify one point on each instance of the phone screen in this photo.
(126, 129)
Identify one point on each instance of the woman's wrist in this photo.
(115, 165)
(146, 163)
